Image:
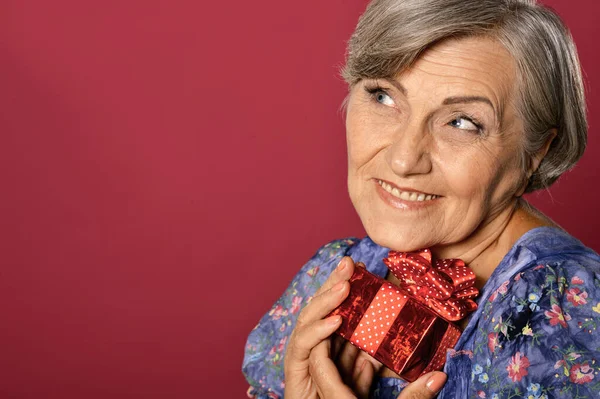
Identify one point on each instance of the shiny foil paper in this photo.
(390, 325)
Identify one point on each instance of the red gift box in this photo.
(403, 327)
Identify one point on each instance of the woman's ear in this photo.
(536, 159)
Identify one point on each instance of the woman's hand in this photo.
(310, 371)
(304, 370)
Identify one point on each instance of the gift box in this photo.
(408, 327)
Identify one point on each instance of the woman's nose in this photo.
(408, 154)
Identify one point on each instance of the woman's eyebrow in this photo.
(449, 100)
(396, 84)
(454, 99)
(471, 99)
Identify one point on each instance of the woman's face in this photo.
(434, 154)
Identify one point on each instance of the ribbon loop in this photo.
(446, 287)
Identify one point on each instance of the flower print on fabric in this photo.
(296, 301)
(500, 291)
(540, 335)
(533, 389)
(556, 316)
(517, 369)
(493, 341)
(581, 373)
(576, 296)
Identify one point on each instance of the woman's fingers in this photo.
(308, 355)
(305, 338)
(326, 375)
(364, 379)
(342, 272)
(361, 376)
(329, 296)
(311, 328)
(321, 305)
(375, 364)
(426, 387)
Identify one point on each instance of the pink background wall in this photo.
(166, 167)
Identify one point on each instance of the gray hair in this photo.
(392, 34)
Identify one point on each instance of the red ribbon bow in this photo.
(447, 287)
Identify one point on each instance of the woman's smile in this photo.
(403, 198)
(406, 194)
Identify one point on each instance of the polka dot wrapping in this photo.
(446, 286)
(378, 319)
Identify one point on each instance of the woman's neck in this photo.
(484, 250)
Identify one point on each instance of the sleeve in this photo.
(266, 344)
(538, 336)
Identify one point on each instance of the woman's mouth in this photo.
(406, 195)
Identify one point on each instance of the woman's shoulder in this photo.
(547, 265)
(539, 239)
(537, 329)
(545, 248)
(567, 283)
(548, 241)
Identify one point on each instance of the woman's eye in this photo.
(464, 124)
(380, 95)
(383, 98)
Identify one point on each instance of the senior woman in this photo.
(456, 109)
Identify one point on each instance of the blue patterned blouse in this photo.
(533, 336)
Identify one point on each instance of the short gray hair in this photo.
(392, 34)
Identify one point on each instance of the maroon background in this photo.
(166, 167)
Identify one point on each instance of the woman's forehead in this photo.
(474, 66)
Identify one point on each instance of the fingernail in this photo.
(341, 265)
(436, 382)
(334, 320)
(338, 287)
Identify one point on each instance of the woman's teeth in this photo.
(405, 195)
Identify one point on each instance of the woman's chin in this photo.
(400, 242)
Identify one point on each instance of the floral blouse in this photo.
(533, 336)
